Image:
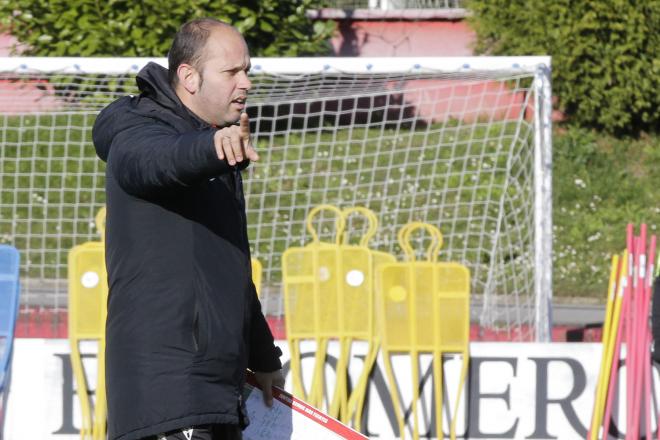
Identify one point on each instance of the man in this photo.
(184, 321)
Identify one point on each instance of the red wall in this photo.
(403, 38)
(6, 42)
(364, 33)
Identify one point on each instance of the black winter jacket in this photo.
(184, 320)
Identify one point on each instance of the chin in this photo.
(233, 117)
(227, 122)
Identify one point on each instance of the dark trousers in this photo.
(205, 432)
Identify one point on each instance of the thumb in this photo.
(251, 153)
(268, 394)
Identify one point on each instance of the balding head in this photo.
(189, 44)
(209, 64)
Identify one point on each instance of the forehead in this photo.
(226, 48)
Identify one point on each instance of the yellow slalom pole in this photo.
(604, 379)
(437, 360)
(603, 375)
(412, 326)
(614, 327)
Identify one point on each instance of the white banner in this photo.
(515, 390)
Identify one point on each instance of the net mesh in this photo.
(451, 149)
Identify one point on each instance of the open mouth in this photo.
(240, 101)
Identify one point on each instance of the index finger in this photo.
(245, 126)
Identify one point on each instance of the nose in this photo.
(244, 82)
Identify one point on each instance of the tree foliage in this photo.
(605, 54)
(145, 28)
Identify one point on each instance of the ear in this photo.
(188, 78)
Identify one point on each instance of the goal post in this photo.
(462, 143)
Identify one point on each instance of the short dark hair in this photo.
(188, 45)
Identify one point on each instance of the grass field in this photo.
(601, 183)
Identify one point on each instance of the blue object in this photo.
(9, 294)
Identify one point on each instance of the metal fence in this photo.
(393, 4)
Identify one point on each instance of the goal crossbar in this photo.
(366, 65)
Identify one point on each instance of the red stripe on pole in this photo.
(310, 412)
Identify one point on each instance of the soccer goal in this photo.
(461, 143)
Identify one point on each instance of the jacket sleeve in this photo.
(264, 354)
(148, 157)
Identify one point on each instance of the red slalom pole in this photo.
(630, 244)
(639, 339)
(632, 423)
(648, 376)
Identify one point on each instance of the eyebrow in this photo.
(238, 67)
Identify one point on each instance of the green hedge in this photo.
(606, 54)
(146, 28)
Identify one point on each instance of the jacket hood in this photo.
(155, 94)
(154, 84)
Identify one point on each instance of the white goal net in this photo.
(461, 143)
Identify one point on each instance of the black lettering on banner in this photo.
(381, 385)
(69, 394)
(476, 396)
(543, 401)
(378, 381)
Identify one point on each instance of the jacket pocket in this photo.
(199, 330)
